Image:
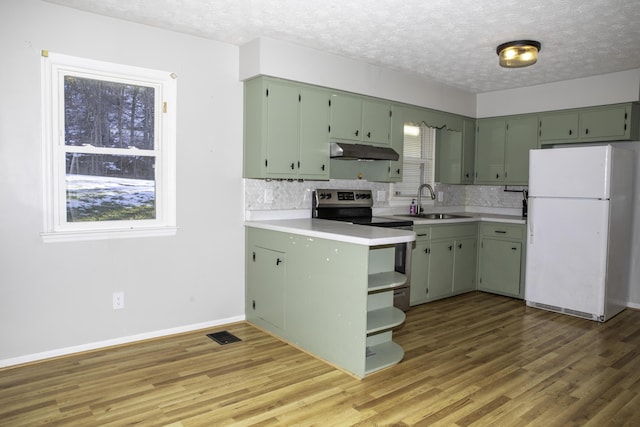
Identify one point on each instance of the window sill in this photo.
(125, 233)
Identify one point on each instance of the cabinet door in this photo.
(440, 269)
(490, 140)
(559, 127)
(376, 122)
(603, 124)
(267, 280)
(522, 136)
(346, 117)
(468, 151)
(314, 134)
(282, 130)
(449, 156)
(499, 270)
(397, 143)
(464, 269)
(419, 273)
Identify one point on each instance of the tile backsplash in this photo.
(262, 195)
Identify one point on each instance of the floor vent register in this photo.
(223, 337)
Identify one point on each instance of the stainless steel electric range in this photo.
(356, 206)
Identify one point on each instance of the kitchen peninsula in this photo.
(327, 288)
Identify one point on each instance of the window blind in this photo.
(418, 160)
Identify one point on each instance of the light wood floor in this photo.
(472, 360)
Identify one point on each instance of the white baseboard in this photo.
(116, 341)
(633, 305)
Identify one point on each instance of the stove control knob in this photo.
(328, 195)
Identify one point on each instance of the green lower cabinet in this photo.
(266, 272)
(501, 259)
(464, 275)
(330, 298)
(443, 261)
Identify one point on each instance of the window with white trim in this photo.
(418, 159)
(109, 149)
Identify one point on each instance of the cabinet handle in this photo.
(322, 167)
(586, 131)
(497, 176)
(368, 134)
(459, 245)
(278, 261)
(500, 231)
(466, 175)
(357, 132)
(398, 170)
(450, 247)
(427, 251)
(293, 166)
(514, 249)
(421, 235)
(570, 132)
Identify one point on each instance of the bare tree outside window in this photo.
(101, 119)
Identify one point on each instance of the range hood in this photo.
(342, 150)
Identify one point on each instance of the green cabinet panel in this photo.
(346, 117)
(521, 136)
(443, 261)
(464, 274)
(285, 130)
(559, 127)
(500, 266)
(376, 122)
(314, 134)
(455, 154)
(501, 259)
(282, 129)
(490, 140)
(600, 123)
(502, 149)
(397, 143)
(266, 272)
(440, 276)
(618, 122)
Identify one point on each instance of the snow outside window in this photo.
(418, 160)
(109, 149)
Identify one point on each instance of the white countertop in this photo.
(336, 230)
(472, 216)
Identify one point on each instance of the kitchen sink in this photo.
(438, 216)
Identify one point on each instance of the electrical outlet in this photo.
(440, 196)
(382, 195)
(118, 300)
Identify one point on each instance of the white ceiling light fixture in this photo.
(518, 53)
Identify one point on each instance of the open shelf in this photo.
(384, 318)
(386, 280)
(382, 356)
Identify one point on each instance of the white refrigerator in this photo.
(579, 230)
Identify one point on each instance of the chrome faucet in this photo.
(433, 196)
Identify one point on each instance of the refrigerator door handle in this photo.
(530, 220)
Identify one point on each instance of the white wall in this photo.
(276, 58)
(56, 297)
(613, 88)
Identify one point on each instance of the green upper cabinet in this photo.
(555, 127)
(397, 143)
(346, 117)
(619, 122)
(502, 149)
(490, 140)
(455, 154)
(314, 119)
(376, 122)
(285, 130)
(360, 119)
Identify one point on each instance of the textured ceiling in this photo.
(452, 42)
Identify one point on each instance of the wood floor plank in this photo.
(472, 360)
